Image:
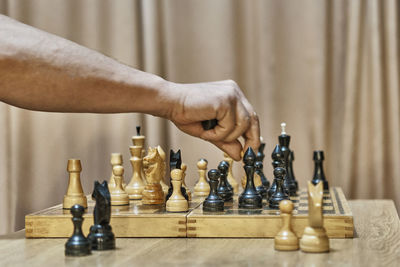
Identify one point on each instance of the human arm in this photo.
(41, 71)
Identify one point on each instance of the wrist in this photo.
(165, 100)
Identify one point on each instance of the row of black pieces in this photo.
(221, 191)
(100, 235)
(278, 190)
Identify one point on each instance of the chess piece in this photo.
(175, 162)
(260, 171)
(243, 181)
(162, 182)
(74, 193)
(319, 174)
(188, 192)
(139, 140)
(116, 159)
(77, 244)
(202, 188)
(231, 179)
(118, 195)
(286, 239)
(224, 190)
(154, 169)
(177, 202)
(290, 173)
(272, 189)
(314, 237)
(213, 202)
(250, 199)
(100, 235)
(284, 141)
(257, 180)
(279, 193)
(136, 185)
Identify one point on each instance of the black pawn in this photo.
(225, 190)
(260, 158)
(213, 202)
(175, 162)
(261, 188)
(77, 244)
(100, 235)
(289, 185)
(279, 173)
(250, 199)
(319, 174)
(279, 194)
(290, 170)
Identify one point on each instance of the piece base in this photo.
(69, 201)
(287, 247)
(314, 240)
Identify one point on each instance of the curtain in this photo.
(329, 69)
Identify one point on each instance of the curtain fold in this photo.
(329, 69)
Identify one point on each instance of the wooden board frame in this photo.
(139, 220)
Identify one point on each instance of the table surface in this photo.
(376, 243)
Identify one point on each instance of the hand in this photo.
(224, 101)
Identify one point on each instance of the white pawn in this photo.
(177, 202)
(202, 188)
(115, 159)
(118, 195)
(231, 179)
(286, 239)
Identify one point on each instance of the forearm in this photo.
(40, 71)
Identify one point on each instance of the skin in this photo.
(43, 72)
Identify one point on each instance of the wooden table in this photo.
(376, 243)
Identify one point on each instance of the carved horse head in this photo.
(102, 210)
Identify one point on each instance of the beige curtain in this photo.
(329, 69)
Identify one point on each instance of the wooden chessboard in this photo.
(137, 220)
(266, 222)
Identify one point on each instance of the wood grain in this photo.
(377, 243)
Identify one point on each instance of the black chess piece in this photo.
(175, 162)
(261, 188)
(279, 173)
(77, 244)
(271, 190)
(288, 185)
(100, 235)
(260, 158)
(290, 170)
(225, 190)
(319, 174)
(138, 130)
(276, 155)
(250, 199)
(213, 202)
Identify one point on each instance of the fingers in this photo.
(242, 123)
(233, 149)
(252, 135)
(226, 124)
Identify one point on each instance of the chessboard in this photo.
(266, 222)
(137, 220)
